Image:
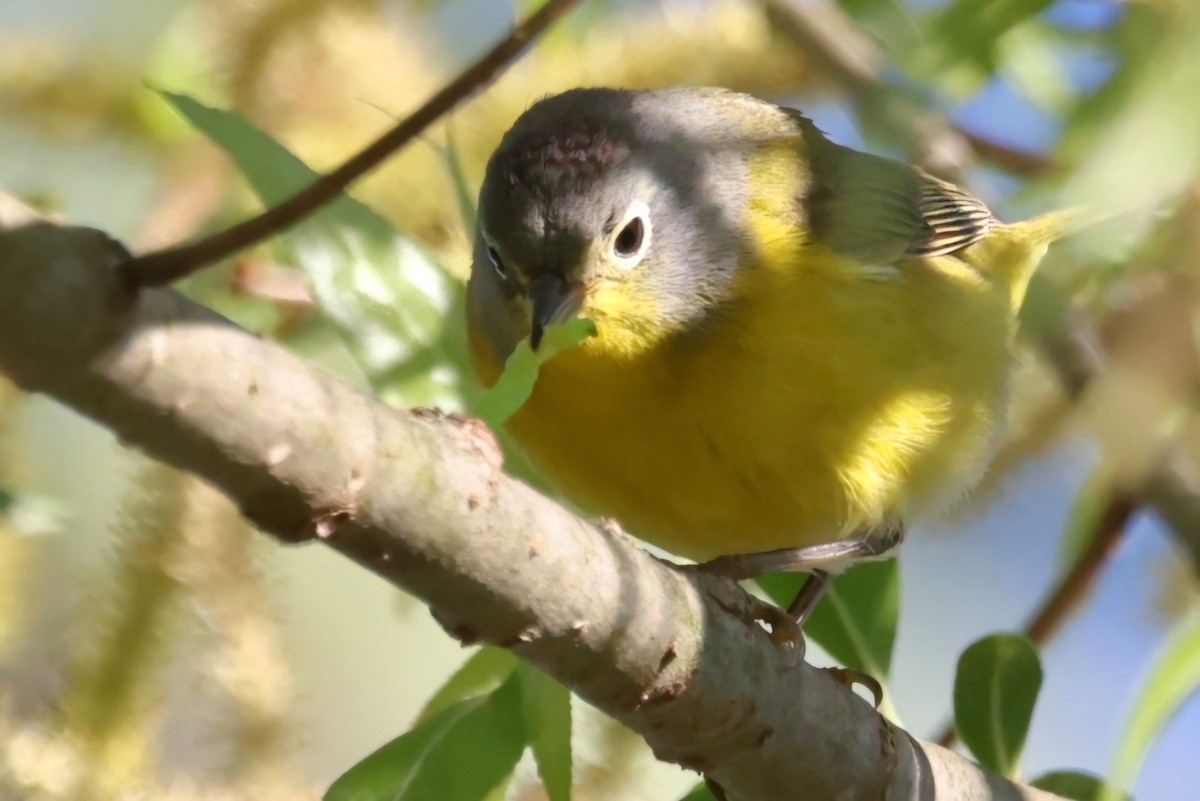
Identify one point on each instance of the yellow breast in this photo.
(828, 397)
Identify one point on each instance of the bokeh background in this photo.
(152, 646)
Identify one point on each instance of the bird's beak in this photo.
(553, 300)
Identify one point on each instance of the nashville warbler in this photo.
(799, 347)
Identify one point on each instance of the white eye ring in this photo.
(497, 263)
(631, 238)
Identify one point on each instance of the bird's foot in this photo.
(848, 677)
(753, 611)
(784, 629)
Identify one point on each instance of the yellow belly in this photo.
(826, 400)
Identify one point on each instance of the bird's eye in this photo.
(629, 242)
(497, 262)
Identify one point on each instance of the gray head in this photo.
(625, 205)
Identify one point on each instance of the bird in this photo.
(799, 348)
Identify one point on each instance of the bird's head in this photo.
(595, 204)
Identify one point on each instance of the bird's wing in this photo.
(953, 218)
(879, 211)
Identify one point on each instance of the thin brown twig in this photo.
(1006, 157)
(1073, 587)
(164, 266)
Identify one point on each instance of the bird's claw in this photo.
(784, 628)
(848, 677)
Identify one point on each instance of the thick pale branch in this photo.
(420, 499)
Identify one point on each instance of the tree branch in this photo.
(164, 266)
(839, 50)
(419, 498)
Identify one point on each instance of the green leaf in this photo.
(1174, 677)
(1083, 520)
(1032, 58)
(380, 774)
(700, 793)
(273, 171)
(520, 371)
(856, 620)
(482, 673)
(965, 38)
(1120, 155)
(891, 23)
(427, 763)
(1076, 786)
(388, 300)
(500, 791)
(547, 708)
(995, 690)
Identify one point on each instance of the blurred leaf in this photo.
(1087, 510)
(272, 170)
(995, 690)
(889, 22)
(1174, 677)
(964, 37)
(482, 673)
(547, 708)
(1076, 786)
(388, 299)
(700, 793)
(1135, 139)
(1032, 56)
(520, 371)
(461, 754)
(856, 620)
(463, 192)
(6, 499)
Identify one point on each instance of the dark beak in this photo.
(553, 300)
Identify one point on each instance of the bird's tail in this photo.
(1061, 223)
(1011, 252)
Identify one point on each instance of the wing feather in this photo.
(953, 218)
(879, 211)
